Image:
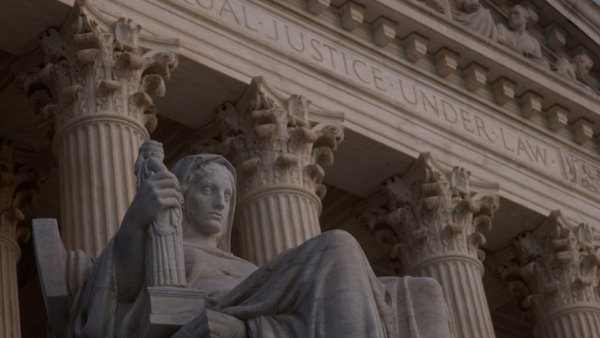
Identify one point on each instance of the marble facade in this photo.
(456, 139)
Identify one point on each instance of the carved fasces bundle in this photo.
(164, 244)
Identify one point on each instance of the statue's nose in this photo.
(219, 202)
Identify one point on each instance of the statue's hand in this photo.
(160, 191)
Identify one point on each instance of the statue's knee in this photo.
(428, 288)
(339, 238)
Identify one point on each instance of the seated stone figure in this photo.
(323, 288)
(469, 13)
(517, 38)
(576, 70)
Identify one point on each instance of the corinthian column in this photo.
(18, 185)
(276, 145)
(559, 279)
(94, 86)
(433, 220)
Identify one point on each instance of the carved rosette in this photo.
(89, 69)
(556, 277)
(277, 146)
(432, 213)
(271, 140)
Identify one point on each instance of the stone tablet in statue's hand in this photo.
(160, 191)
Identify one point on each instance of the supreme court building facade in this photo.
(452, 139)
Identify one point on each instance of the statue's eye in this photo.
(207, 190)
(227, 197)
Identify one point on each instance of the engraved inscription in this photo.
(414, 97)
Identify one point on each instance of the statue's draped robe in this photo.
(524, 44)
(323, 288)
(479, 21)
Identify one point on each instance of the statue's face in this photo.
(471, 6)
(208, 204)
(583, 66)
(517, 17)
(152, 150)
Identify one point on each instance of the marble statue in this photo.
(477, 18)
(576, 70)
(469, 13)
(322, 288)
(517, 38)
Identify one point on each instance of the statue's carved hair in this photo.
(203, 169)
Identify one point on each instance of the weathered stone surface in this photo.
(433, 221)
(555, 277)
(277, 144)
(329, 270)
(94, 86)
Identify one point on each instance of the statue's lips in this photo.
(215, 215)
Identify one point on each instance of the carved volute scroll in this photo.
(555, 274)
(433, 212)
(272, 140)
(91, 67)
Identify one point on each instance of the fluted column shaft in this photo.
(96, 156)
(19, 184)
(276, 149)
(10, 322)
(275, 219)
(94, 88)
(460, 278)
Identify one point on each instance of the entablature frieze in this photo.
(397, 99)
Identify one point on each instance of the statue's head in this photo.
(470, 6)
(583, 65)
(208, 188)
(517, 17)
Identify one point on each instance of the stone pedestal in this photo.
(433, 220)
(94, 87)
(276, 145)
(557, 279)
